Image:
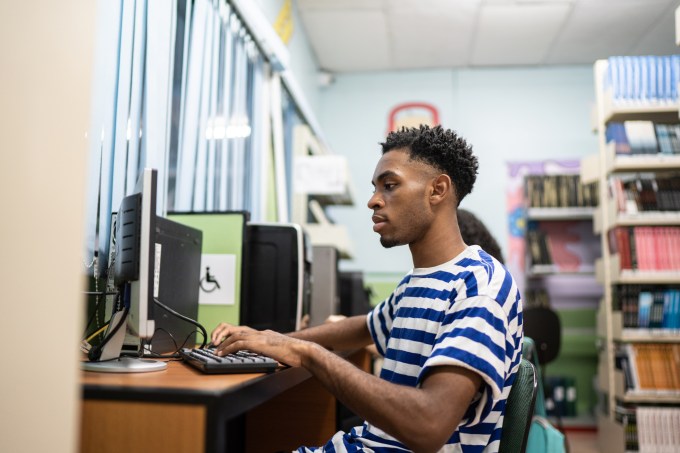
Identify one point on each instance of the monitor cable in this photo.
(184, 318)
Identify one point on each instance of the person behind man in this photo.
(450, 333)
(473, 231)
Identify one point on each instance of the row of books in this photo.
(647, 79)
(646, 248)
(565, 245)
(646, 192)
(643, 307)
(559, 191)
(658, 429)
(625, 415)
(560, 396)
(643, 137)
(650, 367)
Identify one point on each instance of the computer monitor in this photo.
(279, 261)
(153, 259)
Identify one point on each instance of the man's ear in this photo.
(442, 189)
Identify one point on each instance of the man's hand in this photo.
(287, 350)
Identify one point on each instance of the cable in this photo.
(96, 352)
(96, 309)
(184, 318)
(97, 332)
(173, 355)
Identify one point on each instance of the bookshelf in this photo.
(613, 270)
(558, 234)
(559, 272)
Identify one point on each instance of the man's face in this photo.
(400, 202)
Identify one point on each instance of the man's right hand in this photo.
(224, 330)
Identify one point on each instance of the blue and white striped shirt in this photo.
(466, 312)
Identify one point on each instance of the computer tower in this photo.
(278, 276)
(325, 288)
(354, 296)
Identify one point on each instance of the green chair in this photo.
(519, 409)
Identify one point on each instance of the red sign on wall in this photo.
(412, 114)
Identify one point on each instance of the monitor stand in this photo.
(125, 365)
(110, 360)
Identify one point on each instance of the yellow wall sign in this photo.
(284, 22)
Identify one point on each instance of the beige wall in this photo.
(45, 76)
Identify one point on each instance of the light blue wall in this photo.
(506, 114)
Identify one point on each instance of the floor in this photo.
(582, 441)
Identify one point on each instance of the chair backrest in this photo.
(529, 352)
(543, 325)
(519, 409)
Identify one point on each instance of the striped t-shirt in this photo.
(466, 312)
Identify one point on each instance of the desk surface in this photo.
(181, 383)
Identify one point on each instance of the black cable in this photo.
(184, 318)
(173, 355)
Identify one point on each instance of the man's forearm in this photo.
(403, 412)
(349, 333)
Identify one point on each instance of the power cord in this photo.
(184, 318)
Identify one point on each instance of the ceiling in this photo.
(374, 35)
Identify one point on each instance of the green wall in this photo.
(223, 233)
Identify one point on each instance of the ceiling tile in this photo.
(660, 39)
(434, 37)
(516, 34)
(599, 29)
(348, 40)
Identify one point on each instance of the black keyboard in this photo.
(240, 362)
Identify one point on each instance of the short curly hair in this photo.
(440, 148)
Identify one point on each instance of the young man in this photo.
(451, 332)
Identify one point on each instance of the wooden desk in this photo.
(183, 410)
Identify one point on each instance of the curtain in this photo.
(181, 86)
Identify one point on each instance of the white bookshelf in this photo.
(570, 213)
(608, 269)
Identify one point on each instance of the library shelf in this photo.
(642, 396)
(544, 270)
(612, 336)
(631, 335)
(634, 277)
(661, 112)
(627, 163)
(567, 213)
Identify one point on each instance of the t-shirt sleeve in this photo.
(379, 321)
(473, 336)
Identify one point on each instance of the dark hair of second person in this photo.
(474, 231)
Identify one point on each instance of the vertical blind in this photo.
(181, 86)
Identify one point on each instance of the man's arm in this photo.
(422, 418)
(346, 334)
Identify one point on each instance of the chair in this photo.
(542, 324)
(519, 409)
